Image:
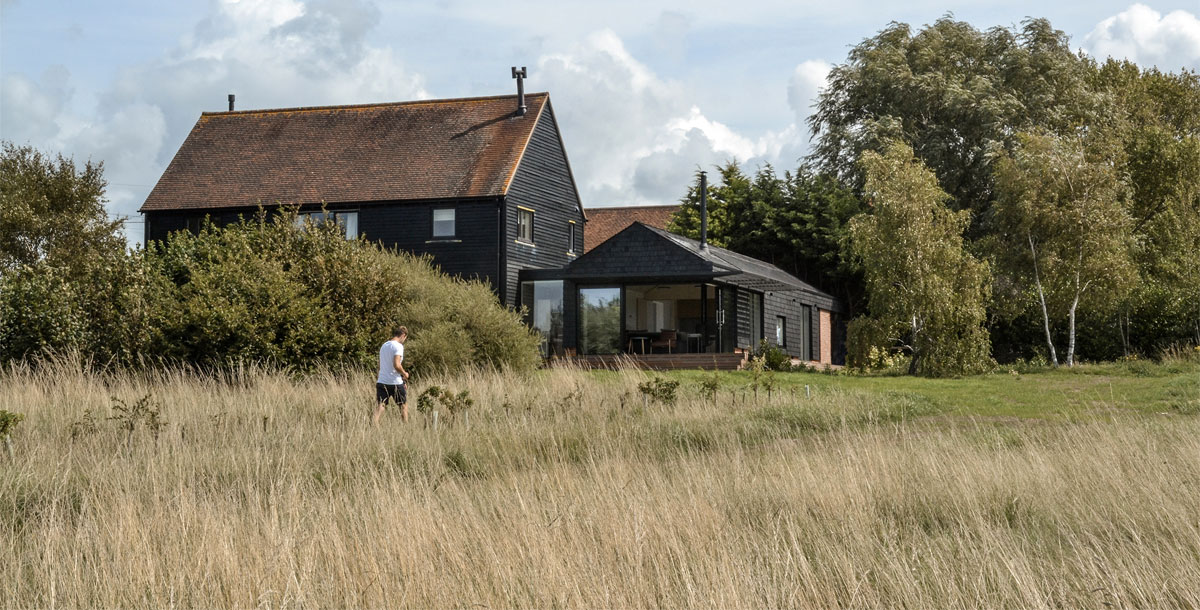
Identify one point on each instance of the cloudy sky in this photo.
(645, 91)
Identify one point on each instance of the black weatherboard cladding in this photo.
(743, 320)
(470, 254)
(161, 224)
(789, 304)
(637, 252)
(543, 184)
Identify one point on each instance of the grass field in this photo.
(569, 489)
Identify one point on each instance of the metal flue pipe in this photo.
(703, 211)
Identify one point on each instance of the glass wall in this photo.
(756, 321)
(599, 320)
(806, 350)
(543, 301)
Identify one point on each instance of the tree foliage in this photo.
(924, 290)
(258, 291)
(52, 211)
(1064, 233)
(796, 221)
(1160, 134)
(954, 93)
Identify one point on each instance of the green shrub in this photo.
(774, 358)
(659, 390)
(452, 404)
(259, 290)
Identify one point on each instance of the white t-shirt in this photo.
(387, 356)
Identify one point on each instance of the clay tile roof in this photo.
(603, 223)
(435, 149)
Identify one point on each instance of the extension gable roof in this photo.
(641, 250)
(603, 223)
(430, 149)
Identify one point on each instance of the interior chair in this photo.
(665, 339)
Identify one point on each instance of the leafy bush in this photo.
(260, 291)
(774, 358)
(659, 390)
(9, 421)
(452, 403)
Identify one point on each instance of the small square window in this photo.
(525, 225)
(780, 331)
(443, 222)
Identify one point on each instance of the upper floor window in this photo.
(443, 222)
(570, 237)
(525, 225)
(347, 220)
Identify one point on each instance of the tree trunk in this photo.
(916, 355)
(1042, 298)
(1197, 323)
(1071, 331)
(1123, 330)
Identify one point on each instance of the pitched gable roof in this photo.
(640, 250)
(603, 223)
(436, 149)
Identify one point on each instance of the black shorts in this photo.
(397, 392)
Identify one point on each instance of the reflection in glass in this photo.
(543, 301)
(599, 320)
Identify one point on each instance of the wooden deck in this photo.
(656, 362)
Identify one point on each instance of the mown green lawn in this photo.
(1093, 389)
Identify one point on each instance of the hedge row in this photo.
(258, 291)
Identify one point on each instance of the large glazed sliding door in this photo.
(599, 320)
(726, 316)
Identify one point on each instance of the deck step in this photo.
(657, 362)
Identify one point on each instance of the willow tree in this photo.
(953, 92)
(1065, 232)
(925, 292)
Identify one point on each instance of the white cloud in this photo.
(270, 53)
(1148, 38)
(808, 79)
(633, 135)
(29, 109)
(637, 138)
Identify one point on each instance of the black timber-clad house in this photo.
(483, 185)
(647, 290)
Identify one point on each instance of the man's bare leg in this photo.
(378, 413)
(404, 412)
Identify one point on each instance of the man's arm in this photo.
(397, 363)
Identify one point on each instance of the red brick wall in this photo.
(826, 337)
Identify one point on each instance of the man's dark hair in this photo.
(399, 331)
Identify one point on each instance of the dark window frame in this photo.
(572, 246)
(781, 331)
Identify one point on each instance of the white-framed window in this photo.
(571, 237)
(443, 222)
(525, 225)
(781, 331)
(347, 220)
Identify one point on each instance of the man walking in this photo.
(390, 383)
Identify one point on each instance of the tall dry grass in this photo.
(564, 491)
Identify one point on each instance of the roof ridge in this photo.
(634, 207)
(444, 100)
